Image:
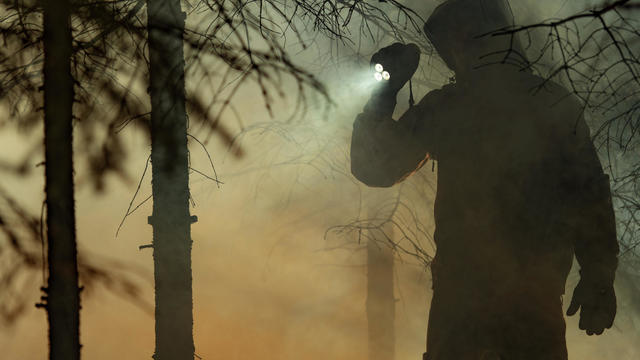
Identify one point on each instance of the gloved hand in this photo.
(401, 61)
(597, 303)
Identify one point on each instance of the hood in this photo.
(455, 28)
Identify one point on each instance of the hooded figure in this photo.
(520, 190)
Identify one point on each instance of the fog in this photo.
(272, 275)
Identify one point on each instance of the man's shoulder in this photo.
(548, 89)
(438, 96)
(563, 109)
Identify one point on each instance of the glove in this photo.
(401, 61)
(597, 304)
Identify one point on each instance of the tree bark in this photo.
(63, 299)
(170, 185)
(380, 297)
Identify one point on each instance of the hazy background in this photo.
(269, 281)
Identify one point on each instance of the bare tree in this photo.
(63, 295)
(381, 301)
(170, 220)
(44, 50)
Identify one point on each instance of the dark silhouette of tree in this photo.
(62, 301)
(41, 56)
(169, 158)
(381, 301)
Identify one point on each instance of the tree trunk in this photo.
(380, 298)
(63, 299)
(170, 185)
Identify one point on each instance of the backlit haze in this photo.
(271, 280)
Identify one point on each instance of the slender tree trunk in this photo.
(380, 298)
(170, 185)
(63, 300)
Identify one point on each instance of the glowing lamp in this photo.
(380, 74)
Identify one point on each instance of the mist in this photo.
(276, 275)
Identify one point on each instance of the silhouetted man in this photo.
(520, 191)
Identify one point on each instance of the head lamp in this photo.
(380, 74)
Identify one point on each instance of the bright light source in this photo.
(380, 74)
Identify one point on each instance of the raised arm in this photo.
(384, 151)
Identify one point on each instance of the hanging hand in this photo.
(597, 303)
